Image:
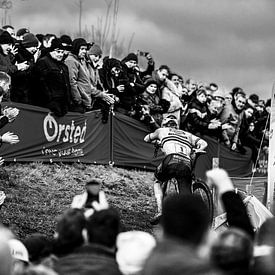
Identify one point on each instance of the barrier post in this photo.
(111, 135)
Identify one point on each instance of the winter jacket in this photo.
(79, 79)
(7, 64)
(89, 259)
(22, 80)
(51, 87)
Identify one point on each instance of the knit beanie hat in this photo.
(66, 41)
(77, 43)
(150, 81)
(130, 56)
(5, 38)
(95, 50)
(254, 98)
(22, 31)
(56, 44)
(30, 40)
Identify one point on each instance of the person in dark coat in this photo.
(7, 63)
(52, 84)
(96, 257)
(21, 80)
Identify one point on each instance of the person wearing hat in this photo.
(151, 106)
(133, 85)
(22, 80)
(79, 77)
(20, 256)
(21, 32)
(100, 99)
(6, 59)
(67, 43)
(197, 112)
(51, 83)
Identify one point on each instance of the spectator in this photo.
(69, 231)
(264, 250)
(114, 80)
(46, 43)
(253, 100)
(39, 249)
(247, 133)
(21, 32)
(8, 114)
(67, 43)
(98, 255)
(151, 106)
(6, 59)
(79, 77)
(133, 249)
(150, 66)
(228, 98)
(261, 117)
(100, 99)
(197, 112)
(233, 114)
(133, 86)
(10, 30)
(185, 224)
(232, 252)
(22, 80)
(51, 81)
(173, 94)
(218, 95)
(20, 256)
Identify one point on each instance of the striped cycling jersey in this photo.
(174, 141)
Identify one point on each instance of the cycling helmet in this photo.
(170, 121)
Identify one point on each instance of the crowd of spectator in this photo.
(90, 239)
(65, 74)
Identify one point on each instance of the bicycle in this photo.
(199, 187)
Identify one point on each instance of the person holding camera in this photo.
(7, 62)
(101, 99)
(22, 80)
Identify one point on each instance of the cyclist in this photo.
(179, 148)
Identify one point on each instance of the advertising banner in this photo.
(84, 138)
(44, 137)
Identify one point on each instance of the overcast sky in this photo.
(230, 42)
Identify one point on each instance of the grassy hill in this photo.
(38, 193)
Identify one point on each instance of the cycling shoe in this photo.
(156, 219)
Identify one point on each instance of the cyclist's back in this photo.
(177, 145)
(175, 141)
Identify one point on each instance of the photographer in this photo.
(100, 99)
(22, 80)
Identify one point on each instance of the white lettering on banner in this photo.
(63, 132)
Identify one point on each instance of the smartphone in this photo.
(141, 53)
(92, 188)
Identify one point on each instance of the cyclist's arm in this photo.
(152, 137)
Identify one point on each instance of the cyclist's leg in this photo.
(158, 195)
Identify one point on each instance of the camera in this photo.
(141, 53)
(92, 188)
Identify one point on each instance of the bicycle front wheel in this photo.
(201, 189)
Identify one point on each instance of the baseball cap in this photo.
(18, 250)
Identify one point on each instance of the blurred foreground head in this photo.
(185, 217)
(233, 251)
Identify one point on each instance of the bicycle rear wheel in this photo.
(170, 187)
(201, 189)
